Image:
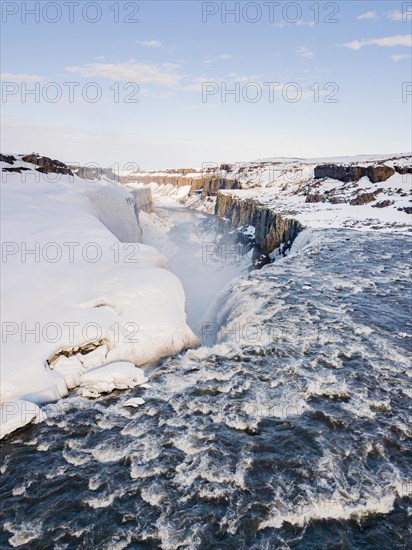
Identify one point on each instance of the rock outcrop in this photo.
(316, 197)
(348, 173)
(47, 165)
(383, 204)
(403, 169)
(7, 158)
(211, 185)
(363, 198)
(272, 230)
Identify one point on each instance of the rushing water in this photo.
(291, 432)
(203, 264)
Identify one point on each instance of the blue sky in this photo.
(170, 49)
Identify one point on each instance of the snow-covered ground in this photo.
(285, 187)
(344, 214)
(79, 291)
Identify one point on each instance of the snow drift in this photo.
(78, 285)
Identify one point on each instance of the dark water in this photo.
(291, 432)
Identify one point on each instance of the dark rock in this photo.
(315, 197)
(271, 229)
(382, 204)
(338, 172)
(375, 173)
(381, 172)
(7, 158)
(403, 169)
(363, 198)
(47, 165)
(17, 169)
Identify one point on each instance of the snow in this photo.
(71, 369)
(348, 159)
(115, 376)
(134, 402)
(75, 274)
(17, 414)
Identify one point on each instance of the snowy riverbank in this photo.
(79, 290)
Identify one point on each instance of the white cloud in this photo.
(219, 57)
(368, 15)
(151, 44)
(391, 41)
(399, 57)
(304, 52)
(298, 23)
(130, 71)
(395, 15)
(354, 45)
(11, 77)
(301, 23)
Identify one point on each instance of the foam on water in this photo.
(23, 534)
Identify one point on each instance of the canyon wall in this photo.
(208, 182)
(272, 230)
(142, 199)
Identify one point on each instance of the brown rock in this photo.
(363, 198)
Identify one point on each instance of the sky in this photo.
(165, 84)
